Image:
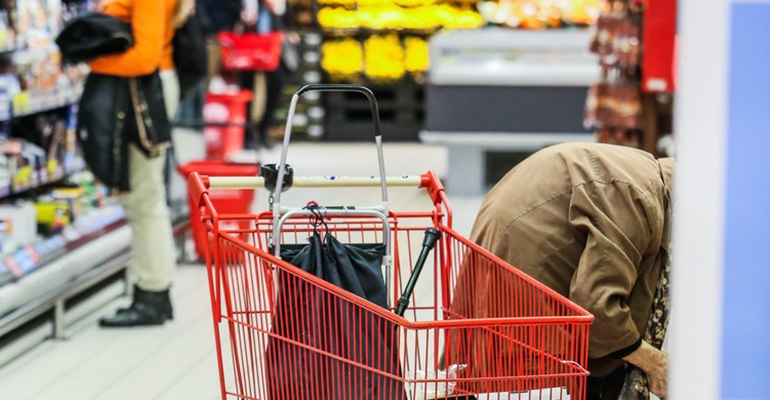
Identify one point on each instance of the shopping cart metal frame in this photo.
(423, 340)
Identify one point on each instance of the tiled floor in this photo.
(178, 361)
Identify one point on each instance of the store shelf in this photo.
(25, 104)
(41, 277)
(67, 275)
(366, 32)
(29, 259)
(348, 116)
(94, 274)
(37, 180)
(5, 52)
(90, 273)
(500, 90)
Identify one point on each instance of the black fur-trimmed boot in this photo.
(148, 308)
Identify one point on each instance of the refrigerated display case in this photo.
(505, 90)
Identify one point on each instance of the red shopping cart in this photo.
(226, 201)
(285, 333)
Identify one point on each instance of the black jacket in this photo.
(114, 111)
(91, 35)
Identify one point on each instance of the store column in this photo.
(720, 330)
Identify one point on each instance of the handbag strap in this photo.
(142, 114)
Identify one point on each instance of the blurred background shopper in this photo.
(153, 253)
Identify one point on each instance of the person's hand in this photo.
(654, 363)
(249, 17)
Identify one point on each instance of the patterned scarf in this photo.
(636, 385)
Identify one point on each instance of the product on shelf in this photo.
(52, 215)
(42, 83)
(422, 18)
(458, 18)
(6, 178)
(31, 75)
(384, 57)
(540, 14)
(416, 58)
(393, 34)
(381, 17)
(582, 12)
(18, 225)
(342, 59)
(73, 196)
(337, 18)
(630, 106)
(618, 38)
(390, 16)
(414, 3)
(614, 105)
(373, 3)
(346, 3)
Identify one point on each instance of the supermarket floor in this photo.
(178, 360)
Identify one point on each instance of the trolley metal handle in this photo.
(333, 88)
(287, 136)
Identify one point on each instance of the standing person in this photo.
(272, 17)
(264, 16)
(592, 222)
(261, 16)
(153, 259)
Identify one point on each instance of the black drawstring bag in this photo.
(306, 314)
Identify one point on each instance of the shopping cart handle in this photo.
(317, 87)
(270, 173)
(287, 134)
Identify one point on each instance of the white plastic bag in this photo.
(539, 394)
(440, 384)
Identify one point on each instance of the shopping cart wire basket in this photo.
(285, 333)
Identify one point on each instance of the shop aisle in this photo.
(178, 361)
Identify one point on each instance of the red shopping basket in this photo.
(235, 201)
(251, 51)
(536, 341)
(224, 117)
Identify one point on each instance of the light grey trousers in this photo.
(153, 259)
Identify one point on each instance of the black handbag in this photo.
(190, 54)
(115, 111)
